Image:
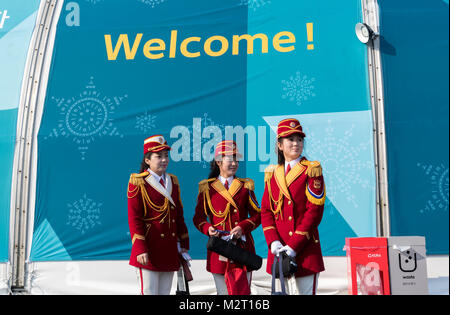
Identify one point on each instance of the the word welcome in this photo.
(193, 47)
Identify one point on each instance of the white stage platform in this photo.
(117, 277)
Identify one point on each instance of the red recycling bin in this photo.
(367, 266)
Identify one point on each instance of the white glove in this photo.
(275, 247)
(288, 251)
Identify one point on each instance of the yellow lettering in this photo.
(123, 39)
(250, 39)
(155, 48)
(161, 45)
(277, 41)
(222, 50)
(184, 50)
(173, 44)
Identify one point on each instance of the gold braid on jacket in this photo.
(267, 178)
(163, 210)
(204, 189)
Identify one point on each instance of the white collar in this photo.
(292, 163)
(157, 177)
(153, 180)
(229, 180)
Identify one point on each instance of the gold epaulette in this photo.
(314, 168)
(138, 179)
(174, 179)
(203, 185)
(248, 183)
(268, 172)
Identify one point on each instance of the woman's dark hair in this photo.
(145, 166)
(214, 169)
(281, 158)
(280, 153)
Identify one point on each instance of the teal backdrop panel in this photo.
(98, 112)
(104, 98)
(415, 74)
(17, 19)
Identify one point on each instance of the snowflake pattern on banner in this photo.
(341, 160)
(206, 121)
(255, 4)
(152, 3)
(145, 122)
(438, 179)
(298, 88)
(86, 117)
(84, 214)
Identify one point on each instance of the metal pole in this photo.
(26, 136)
(371, 18)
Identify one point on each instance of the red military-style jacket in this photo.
(155, 218)
(291, 210)
(225, 210)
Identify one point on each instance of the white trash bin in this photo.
(407, 265)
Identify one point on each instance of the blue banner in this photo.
(417, 111)
(17, 19)
(323, 83)
(196, 73)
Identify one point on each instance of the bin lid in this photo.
(365, 242)
(406, 241)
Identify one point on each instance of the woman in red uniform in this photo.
(155, 215)
(230, 206)
(292, 207)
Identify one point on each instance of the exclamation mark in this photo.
(310, 36)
